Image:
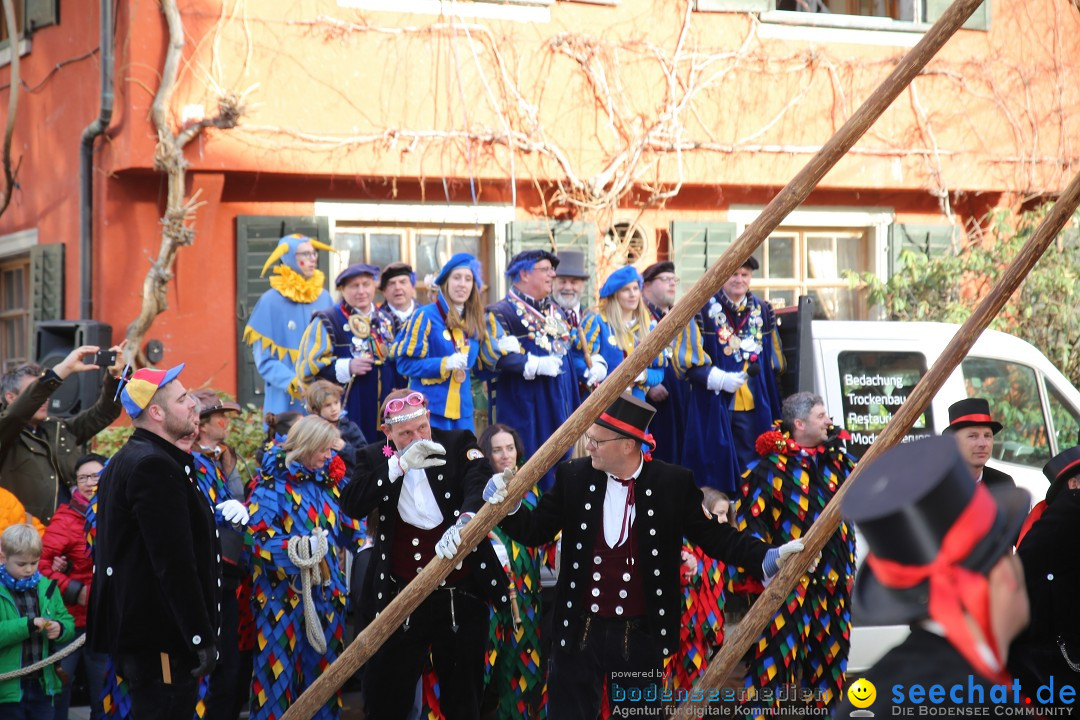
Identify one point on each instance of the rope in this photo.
(302, 557)
(55, 657)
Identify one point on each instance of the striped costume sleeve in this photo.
(591, 326)
(316, 352)
(689, 352)
(489, 353)
(411, 350)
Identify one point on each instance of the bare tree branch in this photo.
(15, 37)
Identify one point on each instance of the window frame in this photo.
(22, 263)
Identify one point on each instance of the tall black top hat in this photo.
(1060, 469)
(572, 265)
(972, 411)
(630, 417)
(905, 504)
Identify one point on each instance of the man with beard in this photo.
(278, 321)
(397, 283)
(569, 291)
(157, 570)
(669, 397)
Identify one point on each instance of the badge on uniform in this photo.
(474, 454)
(360, 326)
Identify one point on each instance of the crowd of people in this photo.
(207, 583)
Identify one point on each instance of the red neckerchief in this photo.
(954, 589)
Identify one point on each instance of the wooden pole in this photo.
(552, 451)
(749, 630)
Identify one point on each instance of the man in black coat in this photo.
(618, 602)
(940, 560)
(973, 427)
(155, 601)
(1051, 645)
(420, 486)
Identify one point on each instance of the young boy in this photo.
(323, 398)
(33, 620)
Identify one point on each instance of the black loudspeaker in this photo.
(53, 341)
(797, 338)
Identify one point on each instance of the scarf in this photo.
(19, 585)
(295, 286)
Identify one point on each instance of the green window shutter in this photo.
(46, 282)
(557, 236)
(928, 240)
(697, 245)
(40, 13)
(750, 6)
(979, 20)
(256, 238)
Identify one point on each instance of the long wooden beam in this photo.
(762, 611)
(552, 451)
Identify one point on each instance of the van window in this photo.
(873, 386)
(1013, 394)
(1065, 419)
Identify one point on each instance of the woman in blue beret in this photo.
(619, 323)
(441, 343)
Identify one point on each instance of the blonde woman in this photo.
(295, 517)
(620, 322)
(439, 347)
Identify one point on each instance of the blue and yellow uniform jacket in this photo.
(600, 339)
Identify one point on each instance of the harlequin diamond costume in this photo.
(278, 321)
(291, 501)
(781, 496)
(333, 337)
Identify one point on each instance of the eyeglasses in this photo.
(308, 255)
(590, 440)
(398, 404)
(672, 279)
(90, 478)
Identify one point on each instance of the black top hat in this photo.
(664, 266)
(630, 417)
(972, 411)
(572, 265)
(905, 504)
(1060, 469)
(393, 270)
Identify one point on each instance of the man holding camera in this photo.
(38, 452)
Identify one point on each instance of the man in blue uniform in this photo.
(277, 323)
(348, 344)
(535, 388)
(731, 356)
(397, 283)
(669, 397)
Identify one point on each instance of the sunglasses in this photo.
(398, 404)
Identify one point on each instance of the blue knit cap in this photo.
(619, 279)
(462, 260)
(525, 260)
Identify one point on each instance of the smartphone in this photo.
(102, 358)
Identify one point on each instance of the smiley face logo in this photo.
(862, 693)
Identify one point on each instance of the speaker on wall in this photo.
(53, 341)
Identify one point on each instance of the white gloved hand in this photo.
(791, 547)
(447, 546)
(316, 540)
(509, 344)
(395, 467)
(549, 366)
(532, 364)
(719, 380)
(457, 361)
(495, 490)
(233, 511)
(423, 454)
(596, 372)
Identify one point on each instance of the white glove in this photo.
(719, 380)
(316, 539)
(233, 511)
(396, 470)
(447, 547)
(789, 548)
(532, 364)
(495, 490)
(549, 366)
(457, 361)
(423, 454)
(596, 372)
(509, 344)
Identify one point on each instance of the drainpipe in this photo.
(86, 170)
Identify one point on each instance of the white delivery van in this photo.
(865, 370)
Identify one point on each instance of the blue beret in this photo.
(527, 259)
(619, 279)
(354, 270)
(462, 260)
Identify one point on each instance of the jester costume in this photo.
(701, 632)
(781, 496)
(600, 340)
(342, 333)
(291, 501)
(731, 339)
(278, 321)
(669, 425)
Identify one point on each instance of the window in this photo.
(873, 386)
(1013, 393)
(903, 15)
(809, 262)
(29, 16)
(14, 312)
(1066, 420)
(895, 9)
(624, 244)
